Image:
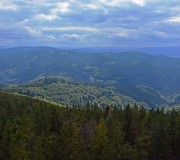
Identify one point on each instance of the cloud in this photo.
(8, 6)
(39, 34)
(92, 6)
(54, 11)
(86, 29)
(33, 31)
(62, 7)
(73, 37)
(118, 3)
(175, 19)
(49, 17)
(139, 2)
(89, 22)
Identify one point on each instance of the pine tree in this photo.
(17, 135)
(100, 141)
(115, 139)
(127, 121)
(70, 144)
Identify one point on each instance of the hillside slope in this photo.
(68, 92)
(125, 70)
(33, 129)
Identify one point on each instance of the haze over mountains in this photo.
(151, 79)
(167, 51)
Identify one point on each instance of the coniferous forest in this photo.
(31, 129)
(90, 80)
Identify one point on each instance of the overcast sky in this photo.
(90, 23)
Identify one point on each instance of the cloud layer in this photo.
(90, 23)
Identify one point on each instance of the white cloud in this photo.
(122, 34)
(112, 3)
(38, 3)
(175, 19)
(39, 34)
(87, 29)
(7, 5)
(117, 3)
(102, 21)
(33, 31)
(49, 17)
(61, 7)
(76, 37)
(139, 2)
(92, 6)
(57, 8)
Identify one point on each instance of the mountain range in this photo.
(146, 78)
(173, 51)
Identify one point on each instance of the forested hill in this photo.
(152, 79)
(33, 129)
(67, 92)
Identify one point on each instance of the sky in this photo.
(90, 23)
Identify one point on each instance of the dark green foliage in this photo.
(99, 146)
(31, 129)
(70, 145)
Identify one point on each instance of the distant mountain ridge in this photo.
(173, 51)
(126, 71)
(168, 51)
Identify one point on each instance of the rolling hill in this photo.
(144, 77)
(67, 92)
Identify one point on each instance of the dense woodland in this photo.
(67, 92)
(31, 129)
(151, 79)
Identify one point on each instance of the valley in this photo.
(89, 80)
(152, 80)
